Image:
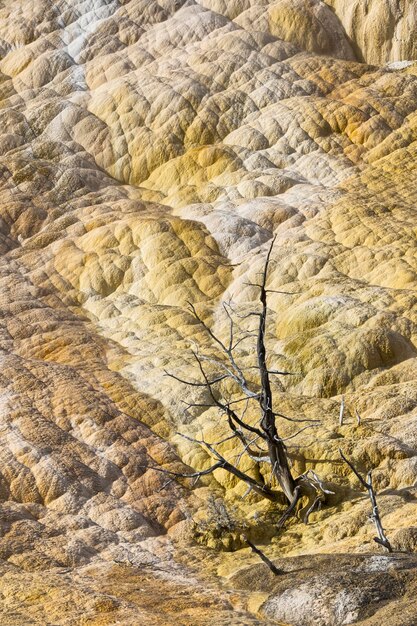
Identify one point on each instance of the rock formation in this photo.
(381, 31)
(149, 150)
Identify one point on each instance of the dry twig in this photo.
(375, 517)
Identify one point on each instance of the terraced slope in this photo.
(149, 151)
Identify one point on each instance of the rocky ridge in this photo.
(148, 153)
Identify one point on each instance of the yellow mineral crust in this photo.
(381, 31)
(149, 151)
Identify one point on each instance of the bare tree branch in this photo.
(298, 432)
(375, 517)
(224, 407)
(287, 514)
(342, 411)
(193, 405)
(238, 380)
(255, 367)
(227, 351)
(274, 569)
(287, 293)
(354, 470)
(259, 488)
(192, 384)
(243, 317)
(294, 419)
(317, 484)
(162, 470)
(239, 341)
(315, 505)
(261, 443)
(276, 447)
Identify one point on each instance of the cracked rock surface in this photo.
(149, 152)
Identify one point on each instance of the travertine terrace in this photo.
(149, 151)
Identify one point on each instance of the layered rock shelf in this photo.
(149, 152)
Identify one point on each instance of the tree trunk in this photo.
(276, 447)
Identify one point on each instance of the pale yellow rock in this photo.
(149, 152)
(382, 31)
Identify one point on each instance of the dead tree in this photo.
(382, 539)
(260, 439)
(274, 569)
(342, 411)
